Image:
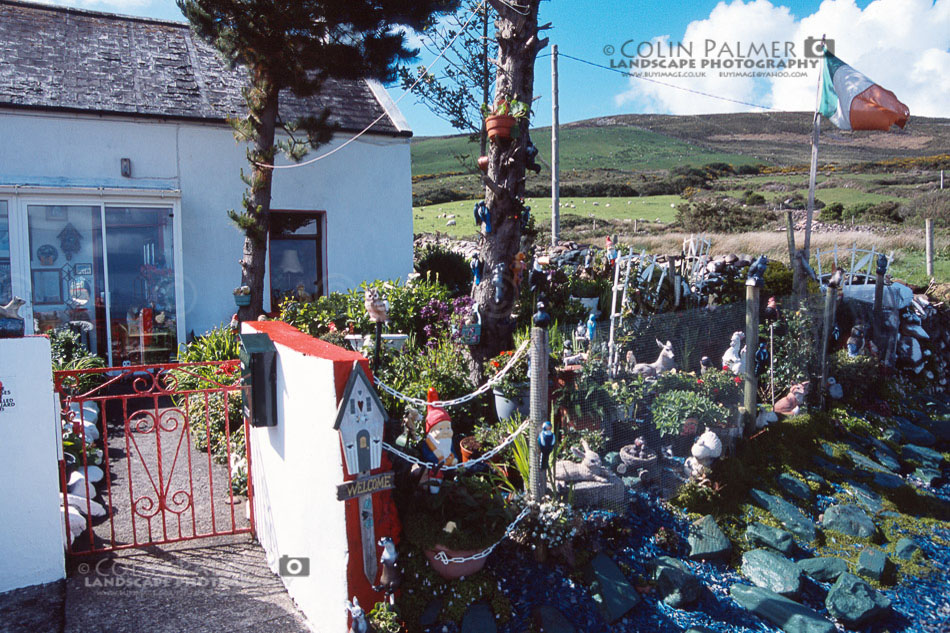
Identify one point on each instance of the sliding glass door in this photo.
(105, 271)
(6, 270)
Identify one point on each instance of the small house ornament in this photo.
(360, 420)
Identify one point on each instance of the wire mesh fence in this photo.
(670, 403)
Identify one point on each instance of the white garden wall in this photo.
(295, 466)
(31, 527)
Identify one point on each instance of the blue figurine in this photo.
(591, 327)
(882, 264)
(546, 441)
(498, 279)
(477, 270)
(483, 216)
(761, 358)
(757, 271)
(836, 333)
(541, 317)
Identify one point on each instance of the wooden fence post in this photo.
(929, 234)
(753, 292)
(539, 409)
(831, 294)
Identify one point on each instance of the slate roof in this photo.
(58, 58)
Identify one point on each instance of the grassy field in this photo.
(845, 196)
(625, 148)
(653, 208)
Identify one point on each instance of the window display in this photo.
(296, 257)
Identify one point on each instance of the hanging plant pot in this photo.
(483, 164)
(499, 126)
(242, 300)
(506, 408)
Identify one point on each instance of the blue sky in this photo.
(902, 44)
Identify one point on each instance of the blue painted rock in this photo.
(707, 541)
(874, 564)
(675, 585)
(761, 535)
(854, 602)
(849, 519)
(824, 569)
(771, 571)
(610, 589)
(786, 614)
(905, 548)
(795, 487)
(790, 516)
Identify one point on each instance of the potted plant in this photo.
(470, 447)
(587, 404)
(586, 290)
(512, 391)
(242, 296)
(466, 516)
(627, 393)
(501, 117)
(681, 414)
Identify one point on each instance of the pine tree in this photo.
(295, 46)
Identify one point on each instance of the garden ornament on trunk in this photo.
(477, 270)
(437, 447)
(483, 216)
(661, 365)
(498, 280)
(517, 269)
(471, 333)
(359, 624)
(390, 576)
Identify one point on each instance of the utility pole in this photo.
(555, 154)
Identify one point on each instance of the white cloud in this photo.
(904, 45)
(117, 6)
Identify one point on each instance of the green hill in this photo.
(645, 142)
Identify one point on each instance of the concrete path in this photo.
(225, 586)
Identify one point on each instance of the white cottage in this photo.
(118, 166)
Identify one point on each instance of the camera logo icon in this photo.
(813, 47)
(293, 566)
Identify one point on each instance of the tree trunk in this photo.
(518, 46)
(263, 103)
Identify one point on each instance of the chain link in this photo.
(460, 466)
(445, 560)
(463, 399)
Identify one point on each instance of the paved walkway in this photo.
(225, 586)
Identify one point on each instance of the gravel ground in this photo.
(197, 499)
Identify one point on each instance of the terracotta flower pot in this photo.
(499, 126)
(454, 570)
(470, 448)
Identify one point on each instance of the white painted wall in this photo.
(31, 527)
(295, 466)
(365, 190)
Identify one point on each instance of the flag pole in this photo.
(813, 172)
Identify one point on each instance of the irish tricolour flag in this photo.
(854, 102)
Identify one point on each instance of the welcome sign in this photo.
(365, 486)
(7, 399)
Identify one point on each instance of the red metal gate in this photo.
(153, 454)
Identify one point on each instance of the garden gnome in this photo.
(437, 447)
(611, 251)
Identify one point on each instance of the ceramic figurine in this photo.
(661, 365)
(611, 251)
(437, 447)
(525, 217)
(390, 576)
(761, 359)
(536, 278)
(302, 295)
(706, 449)
(836, 333)
(732, 360)
(580, 332)
(498, 280)
(546, 442)
(591, 327)
(765, 418)
(11, 310)
(588, 259)
(705, 365)
(856, 341)
(531, 153)
(359, 624)
(630, 361)
(483, 216)
(517, 269)
(835, 390)
(836, 278)
(376, 306)
(757, 271)
(791, 404)
(771, 311)
(882, 264)
(477, 267)
(541, 317)
(590, 468)
(235, 324)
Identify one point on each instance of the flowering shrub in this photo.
(672, 408)
(512, 383)
(551, 522)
